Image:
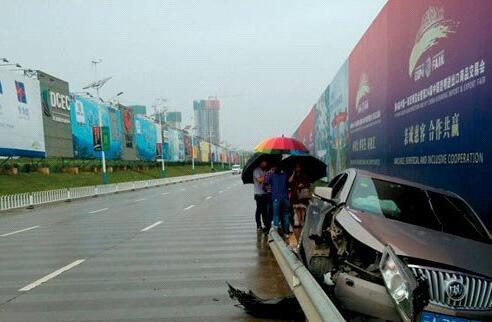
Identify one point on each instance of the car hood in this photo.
(417, 242)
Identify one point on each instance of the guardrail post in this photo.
(69, 195)
(95, 191)
(31, 201)
(116, 188)
(133, 186)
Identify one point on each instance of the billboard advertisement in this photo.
(204, 151)
(304, 132)
(413, 99)
(116, 134)
(127, 124)
(145, 138)
(85, 112)
(21, 119)
(368, 84)
(56, 116)
(188, 149)
(181, 146)
(338, 130)
(173, 141)
(439, 99)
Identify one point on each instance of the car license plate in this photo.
(433, 317)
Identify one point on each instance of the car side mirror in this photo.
(323, 192)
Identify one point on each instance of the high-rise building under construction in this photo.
(207, 119)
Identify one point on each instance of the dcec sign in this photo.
(58, 100)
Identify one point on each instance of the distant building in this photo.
(138, 109)
(174, 119)
(207, 119)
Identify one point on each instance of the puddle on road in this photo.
(272, 298)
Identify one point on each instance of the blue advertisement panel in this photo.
(338, 135)
(173, 141)
(321, 127)
(439, 99)
(84, 115)
(418, 99)
(145, 138)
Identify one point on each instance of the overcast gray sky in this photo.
(267, 61)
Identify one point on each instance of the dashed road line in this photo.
(50, 276)
(19, 231)
(152, 226)
(98, 210)
(138, 200)
(221, 191)
(182, 189)
(208, 198)
(164, 193)
(189, 207)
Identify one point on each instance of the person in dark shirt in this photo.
(280, 200)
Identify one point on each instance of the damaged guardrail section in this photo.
(31, 199)
(316, 305)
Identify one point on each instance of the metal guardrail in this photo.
(31, 199)
(316, 305)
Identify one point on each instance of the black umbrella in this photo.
(254, 161)
(312, 167)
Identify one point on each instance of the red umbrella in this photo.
(281, 145)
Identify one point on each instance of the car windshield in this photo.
(415, 206)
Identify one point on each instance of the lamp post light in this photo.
(160, 109)
(192, 129)
(97, 84)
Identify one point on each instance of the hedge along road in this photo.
(159, 254)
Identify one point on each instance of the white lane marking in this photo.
(152, 226)
(50, 276)
(221, 191)
(138, 200)
(164, 193)
(182, 189)
(19, 231)
(189, 207)
(208, 198)
(98, 210)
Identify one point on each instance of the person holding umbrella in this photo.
(299, 194)
(261, 196)
(280, 201)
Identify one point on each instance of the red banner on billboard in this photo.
(305, 131)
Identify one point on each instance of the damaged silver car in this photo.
(396, 250)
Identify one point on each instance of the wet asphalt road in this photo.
(159, 254)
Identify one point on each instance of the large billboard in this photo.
(85, 115)
(439, 100)
(413, 99)
(338, 133)
(204, 151)
(55, 101)
(304, 132)
(21, 119)
(128, 136)
(145, 138)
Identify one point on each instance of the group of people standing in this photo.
(276, 193)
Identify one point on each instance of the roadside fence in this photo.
(31, 199)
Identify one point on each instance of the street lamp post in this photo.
(192, 129)
(105, 178)
(210, 148)
(160, 110)
(163, 163)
